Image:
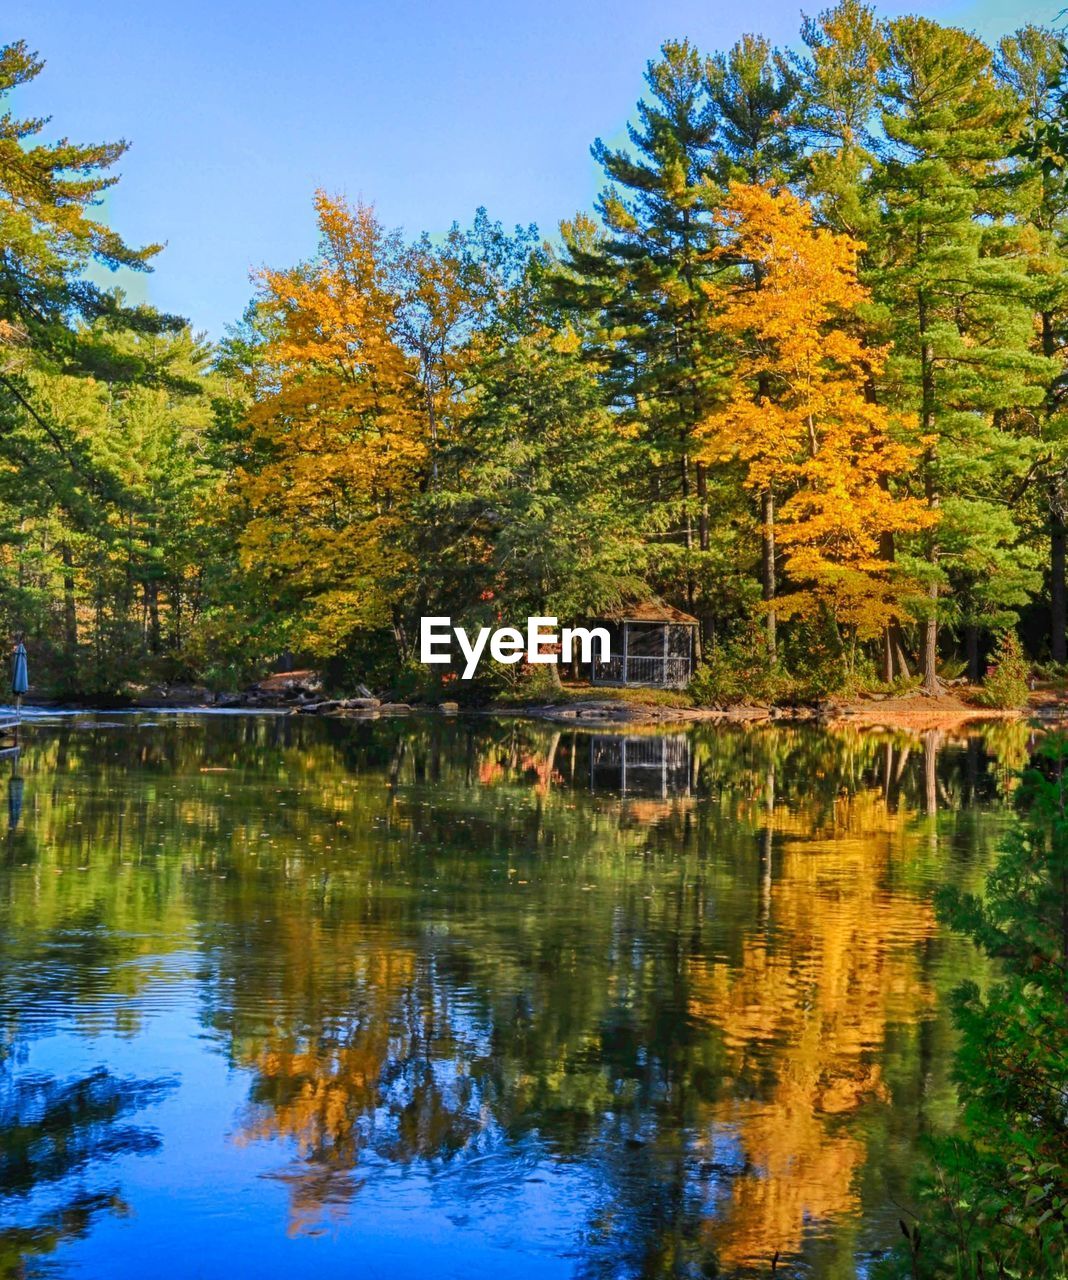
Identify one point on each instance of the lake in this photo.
(286, 997)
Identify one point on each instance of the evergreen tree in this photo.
(101, 410)
(836, 115)
(752, 89)
(953, 283)
(539, 518)
(1030, 64)
(642, 277)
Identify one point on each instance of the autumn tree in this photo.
(752, 89)
(799, 416)
(339, 433)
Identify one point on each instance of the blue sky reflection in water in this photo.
(281, 997)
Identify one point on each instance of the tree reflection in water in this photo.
(54, 1136)
(478, 956)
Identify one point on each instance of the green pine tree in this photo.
(953, 282)
(1030, 64)
(637, 285)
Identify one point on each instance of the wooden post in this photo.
(625, 633)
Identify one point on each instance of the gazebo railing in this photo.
(632, 668)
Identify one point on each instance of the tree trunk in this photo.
(70, 610)
(971, 649)
(901, 657)
(1058, 645)
(927, 424)
(152, 606)
(702, 497)
(1058, 600)
(684, 484)
(767, 533)
(930, 648)
(687, 522)
(886, 656)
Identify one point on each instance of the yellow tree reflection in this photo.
(804, 1014)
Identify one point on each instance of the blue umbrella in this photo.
(20, 675)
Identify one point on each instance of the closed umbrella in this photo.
(20, 676)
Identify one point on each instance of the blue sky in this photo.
(238, 110)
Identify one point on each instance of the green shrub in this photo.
(739, 671)
(524, 683)
(1006, 684)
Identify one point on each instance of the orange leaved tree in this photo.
(337, 435)
(802, 417)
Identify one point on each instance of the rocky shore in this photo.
(298, 692)
(301, 693)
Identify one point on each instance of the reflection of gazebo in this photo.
(652, 643)
(654, 765)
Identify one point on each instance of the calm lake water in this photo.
(283, 998)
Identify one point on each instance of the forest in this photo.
(800, 372)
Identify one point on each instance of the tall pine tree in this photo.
(953, 284)
(641, 276)
(1030, 64)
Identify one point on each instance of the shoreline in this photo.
(301, 692)
(916, 713)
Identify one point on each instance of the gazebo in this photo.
(652, 643)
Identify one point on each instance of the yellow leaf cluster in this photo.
(802, 414)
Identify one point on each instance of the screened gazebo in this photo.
(652, 643)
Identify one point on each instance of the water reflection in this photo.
(651, 764)
(643, 1005)
(56, 1136)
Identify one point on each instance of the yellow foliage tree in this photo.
(801, 415)
(338, 431)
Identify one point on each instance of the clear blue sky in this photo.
(238, 110)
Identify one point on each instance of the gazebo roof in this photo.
(649, 611)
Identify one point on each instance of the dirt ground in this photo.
(920, 713)
(917, 713)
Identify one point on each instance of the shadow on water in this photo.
(649, 1005)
